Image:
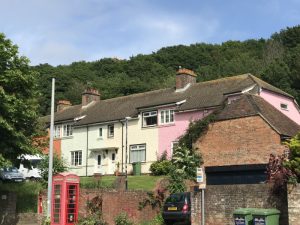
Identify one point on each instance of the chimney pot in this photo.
(62, 105)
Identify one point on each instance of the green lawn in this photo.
(27, 193)
(144, 182)
(91, 182)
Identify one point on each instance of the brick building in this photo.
(237, 146)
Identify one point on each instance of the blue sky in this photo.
(64, 31)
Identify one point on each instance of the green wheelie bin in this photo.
(265, 217)
(136, 168)
(243, 216)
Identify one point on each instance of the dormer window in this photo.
(149, 118)
(283, 106)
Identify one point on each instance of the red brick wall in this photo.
(116, 202)
(247, 140)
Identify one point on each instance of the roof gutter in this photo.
(102, 123)
(199, 109)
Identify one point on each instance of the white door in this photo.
(98, 168)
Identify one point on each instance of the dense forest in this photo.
(275, 60)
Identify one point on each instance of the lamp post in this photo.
(126, 148)
(49, 200)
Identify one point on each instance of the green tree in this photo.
(186, 161)
(294, 160)
(184, 164)
(278, 74)
(176, 181)
(18, 105)
(59, 166)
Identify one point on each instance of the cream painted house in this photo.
(93, 137)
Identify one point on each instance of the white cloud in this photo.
(63, 31)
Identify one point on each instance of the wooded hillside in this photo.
(275, 60)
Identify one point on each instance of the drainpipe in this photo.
(87, 150)
(122, 146)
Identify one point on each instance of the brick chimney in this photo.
(90, 95)
(62, 105)
(185, 77)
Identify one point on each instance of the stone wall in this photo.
(222, 200)
(294, 204)
(248, 140)
(8, 201)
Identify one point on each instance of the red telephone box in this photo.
(65, 195)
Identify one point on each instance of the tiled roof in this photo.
(253, 105)
(198, 96)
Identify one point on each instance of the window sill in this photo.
(285, 109)
(100, 138)
(147, 127)
(67, 137)
(110, 137)
(166, 125)
(76, 167)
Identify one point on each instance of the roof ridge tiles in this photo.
(250, 99)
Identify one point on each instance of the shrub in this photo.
(158, 220)
(293, 164)
(122, 219)
(46, 221)
(93, 219)
(176, 181)
(154, 199)
(186, 161)
(94, 213)
(59, 165)
(160, 168)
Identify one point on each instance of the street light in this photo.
(50, 168)
(126, 148)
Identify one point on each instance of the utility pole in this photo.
(126, 149)
(50, 168)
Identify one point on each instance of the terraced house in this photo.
(92, 136)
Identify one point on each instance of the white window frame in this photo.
(167, 116)
(57, 131)
(137, 148)
(100, 132)
(110, 130)
(76, 158)
(149, 114)
(67, 130)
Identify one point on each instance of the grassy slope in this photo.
(145, 182)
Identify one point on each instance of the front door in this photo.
(98, 168)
